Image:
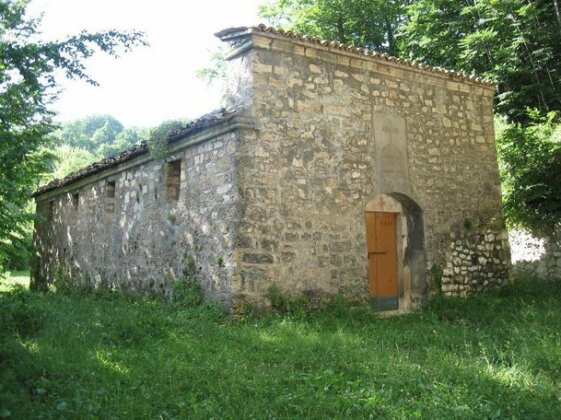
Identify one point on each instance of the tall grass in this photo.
(496, 355)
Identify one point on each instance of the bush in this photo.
(19, 315)
(18, 255)
(530, 167)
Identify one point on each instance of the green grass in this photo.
(12, 278)
(492, 356)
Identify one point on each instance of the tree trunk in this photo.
(392, 48)
(341, 30)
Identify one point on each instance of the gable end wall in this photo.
(313, 163)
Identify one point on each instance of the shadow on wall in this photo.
(536, 255)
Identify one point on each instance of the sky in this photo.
(155, 83)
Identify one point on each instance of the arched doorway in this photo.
(396, 256)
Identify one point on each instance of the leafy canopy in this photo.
(366, 23)
(27, 88)
(513, 42)
(530, 169)
(80, 142)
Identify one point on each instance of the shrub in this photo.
(530, 168)
(188, 291)
(19, 315)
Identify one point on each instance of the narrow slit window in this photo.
(110, 197)
(173, 179)
(110, 189)
(75, 200)
(50, 210)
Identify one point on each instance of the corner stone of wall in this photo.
(475, 261)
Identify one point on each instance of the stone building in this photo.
(334, 170)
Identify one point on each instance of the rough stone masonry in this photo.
(273, 191)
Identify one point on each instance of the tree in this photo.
(365, 23)
(100, 135)
(27, 88)
(91, 132)
(70, 159)
(123, 140)
(514, 42)
(530, 167)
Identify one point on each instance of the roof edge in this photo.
(206, 121)
(231, 34)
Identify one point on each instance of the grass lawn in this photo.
(492, 356)
(13, 278)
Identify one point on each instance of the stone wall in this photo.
(281, 199)
(536, 255)
(475, 260)
(333, 131)
(140, 225)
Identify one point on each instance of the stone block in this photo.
(253, 258)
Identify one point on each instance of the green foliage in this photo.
(216, 69)
(172, 218)
(158, 137)
(27, 88)
(19, 314)
(11, 279)
(515, 43)
(62, 282)
(468, 224)
(373, 24)
(530, 166)
(70, 159)
(285, 304)
(18, 254)
(123, 358)
(81, 142)
(99, 136)
(90, 133)
(187, 291)
(219, 261)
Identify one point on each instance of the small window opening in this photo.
(50, 210)
(75, 200)
(110, 197)
(173, 178)
(110, 189)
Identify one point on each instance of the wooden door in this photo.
(382, 259)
